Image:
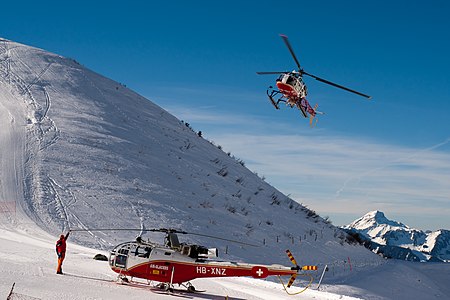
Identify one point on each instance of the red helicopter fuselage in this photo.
(159, 263)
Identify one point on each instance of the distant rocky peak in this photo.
(374, 219)
(393, 239)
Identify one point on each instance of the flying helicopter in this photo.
(179, 263)
(293, 91)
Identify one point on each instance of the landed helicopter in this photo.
(293, 91)
(179, 263)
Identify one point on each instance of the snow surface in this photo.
(79, 150)
(27, 259)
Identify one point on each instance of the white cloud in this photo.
(344, 175)
(336, 175)
(203, 115)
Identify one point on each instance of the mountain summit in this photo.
(374, 226)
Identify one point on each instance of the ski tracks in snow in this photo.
(42, 132)
(48, 132)
(61, 208)
(70, 219)
(44, 192)
(51, 133)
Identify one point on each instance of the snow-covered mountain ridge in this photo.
(82, 151)
(425, 246)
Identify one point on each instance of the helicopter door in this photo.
(287, 86)
(138, 257)
(172, 241)
(287, 79)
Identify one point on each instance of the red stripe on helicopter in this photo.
(183, 272)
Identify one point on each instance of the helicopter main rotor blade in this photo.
(130, 229)
(286, 41)
(200, 234)
(336, 85)
(223, 239)
(166, 230)
(267, 73)
(108, 229)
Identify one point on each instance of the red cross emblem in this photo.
(260, 272)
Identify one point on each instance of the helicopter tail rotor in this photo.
(297, 268)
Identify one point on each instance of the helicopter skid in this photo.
(166, 288)
(162, 288)
(273, 102)
(270, 95)
(171, 292)
(121, 279)
(191, 289)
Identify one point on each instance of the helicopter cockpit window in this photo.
(123, 251)
(290, 80)
(148, 250)
(121, 261)
(142, 251)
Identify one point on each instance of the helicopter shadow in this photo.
(198, 295)
(177, 293)
(88, 277)
(203, 295)
(185, 294)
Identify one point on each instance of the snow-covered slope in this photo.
(434, 246)
(82, 151)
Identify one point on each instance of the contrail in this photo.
(347, 181)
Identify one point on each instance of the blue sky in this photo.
(198, 59)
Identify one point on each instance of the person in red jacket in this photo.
(61, 251)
